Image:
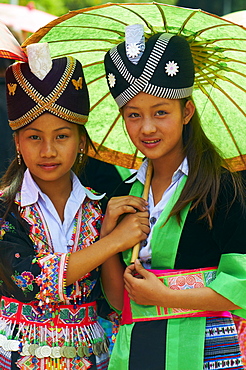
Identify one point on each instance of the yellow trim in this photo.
(47, 103)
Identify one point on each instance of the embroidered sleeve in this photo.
(52, 279)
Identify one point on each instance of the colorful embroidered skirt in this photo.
(241, 330)
(221, 345)
(144, 346)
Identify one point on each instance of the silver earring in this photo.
(81, 155)
(18, 157)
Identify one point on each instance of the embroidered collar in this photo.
(30, 192)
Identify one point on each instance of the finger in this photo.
(128, 279)
(140, 270)
(127, 283)
(129, 269)
(130, 200)
(144, 215)
(127, 288)
(138, 222)
(138, 203)
(122, 209)
(131, 296)
(143, 218)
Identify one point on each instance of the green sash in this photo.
(123, 172)
(165, 239)
(185, 336)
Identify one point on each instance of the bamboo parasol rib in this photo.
(218, 47)
(145, 195)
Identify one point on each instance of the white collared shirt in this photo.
(60, 232)
(155, 210)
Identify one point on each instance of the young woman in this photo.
(190, 270)
(50, 255)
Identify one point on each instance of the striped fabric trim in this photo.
(5, 359)
(142, 83)
(163, 92)
(118, 62)
(47, 103)
(221, 345)
(102, 361)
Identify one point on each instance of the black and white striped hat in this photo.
(165, 69)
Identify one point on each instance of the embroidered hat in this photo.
(165, 69)
(59, 89)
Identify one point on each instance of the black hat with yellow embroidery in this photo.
(42, 85)
(162, 66)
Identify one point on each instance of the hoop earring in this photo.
(81, 155)
(18, 158)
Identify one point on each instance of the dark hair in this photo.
(5, 63)
(205, 162)
(78, 167)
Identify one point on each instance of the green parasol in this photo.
(219, 51)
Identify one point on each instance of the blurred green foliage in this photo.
(79, 4)
(60, 7)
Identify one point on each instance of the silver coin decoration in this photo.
(56, 352)
(80, 351)
(14, 345)
(38, 353)
(25, 350)
(32, 348)
(46, 351)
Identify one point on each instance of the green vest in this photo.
(184, 343)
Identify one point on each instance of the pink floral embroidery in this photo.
(24, 281)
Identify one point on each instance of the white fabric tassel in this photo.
(135, 42)
(39, 59)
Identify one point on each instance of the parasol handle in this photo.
(145, 195)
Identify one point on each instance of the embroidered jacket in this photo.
(38, 272)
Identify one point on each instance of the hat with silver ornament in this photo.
(162, 66)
